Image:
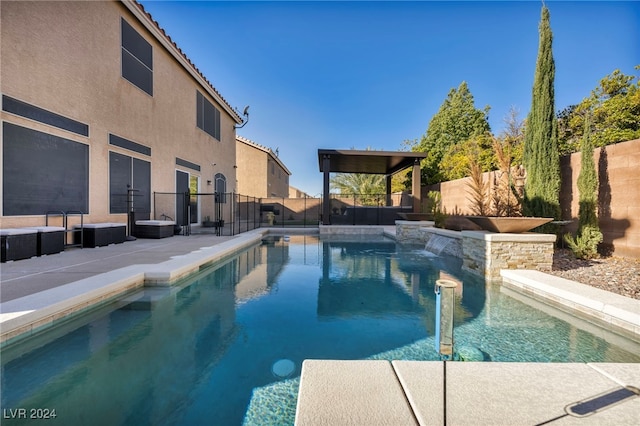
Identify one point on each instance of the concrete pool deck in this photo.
(466, 393)
(40, 292)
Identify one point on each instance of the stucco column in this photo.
(326, 201)
(416, 190)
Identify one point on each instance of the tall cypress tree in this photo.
(587, 182)
(540, 157)
(585, 244)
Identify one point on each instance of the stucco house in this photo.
(260, 171)
(96, 100)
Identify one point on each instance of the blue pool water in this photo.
(225, 347)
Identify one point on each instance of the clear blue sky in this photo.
(372, 74)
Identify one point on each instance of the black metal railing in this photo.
(231, 214)
(215, 213)
(367, 209)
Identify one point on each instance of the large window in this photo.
(207, 116)
(42, 172)
(126, 173)
(137, 58)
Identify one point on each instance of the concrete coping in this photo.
(27, 315)
(17, 231)
(415, 222)
(525, 237)
(445, 233)
(30, 314)
(351, 229)
(613, 311)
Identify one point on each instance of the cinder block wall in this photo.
(618, 197)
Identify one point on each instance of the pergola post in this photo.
(326, 204)
(389, 202)
(385, 163)
(416, 190)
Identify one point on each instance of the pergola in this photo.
(370, 162)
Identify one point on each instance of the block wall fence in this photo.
(618, 195)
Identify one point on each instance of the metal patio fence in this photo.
(211, 213)
(231, 214)
(368, 209)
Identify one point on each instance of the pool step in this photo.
(610, 311)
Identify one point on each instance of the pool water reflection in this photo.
(226, 346)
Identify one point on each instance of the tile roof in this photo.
(265, 149)
(161, 35)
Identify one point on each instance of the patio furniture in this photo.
(102, 234)
(154, 228)
(51, 239)
(18, 243)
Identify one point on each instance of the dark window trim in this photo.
(127, 144)
(208, 123)
(130, 50)
(187, 164)
(41, 115)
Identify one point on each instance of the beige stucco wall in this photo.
(66, 57)
(252, 170)
(277, 180)
(259, 174)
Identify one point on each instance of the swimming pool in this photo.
(226, 346)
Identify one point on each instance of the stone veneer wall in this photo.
(412, 231)
(486, 253)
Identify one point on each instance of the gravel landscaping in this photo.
(615, 274)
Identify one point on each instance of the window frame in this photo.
(207, 116)
(132, 50)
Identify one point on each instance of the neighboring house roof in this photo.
(269, 151)
(154, 28)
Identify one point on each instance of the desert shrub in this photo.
(585, 244)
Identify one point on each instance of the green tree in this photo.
(512, 138)
(566, 132)
(367, 187)
(540, 156)
(456, 162)
(585, 244)
(614, 110)
(456, 121)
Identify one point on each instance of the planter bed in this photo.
(154, 228)
(18, 243)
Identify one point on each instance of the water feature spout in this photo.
(437, 244)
